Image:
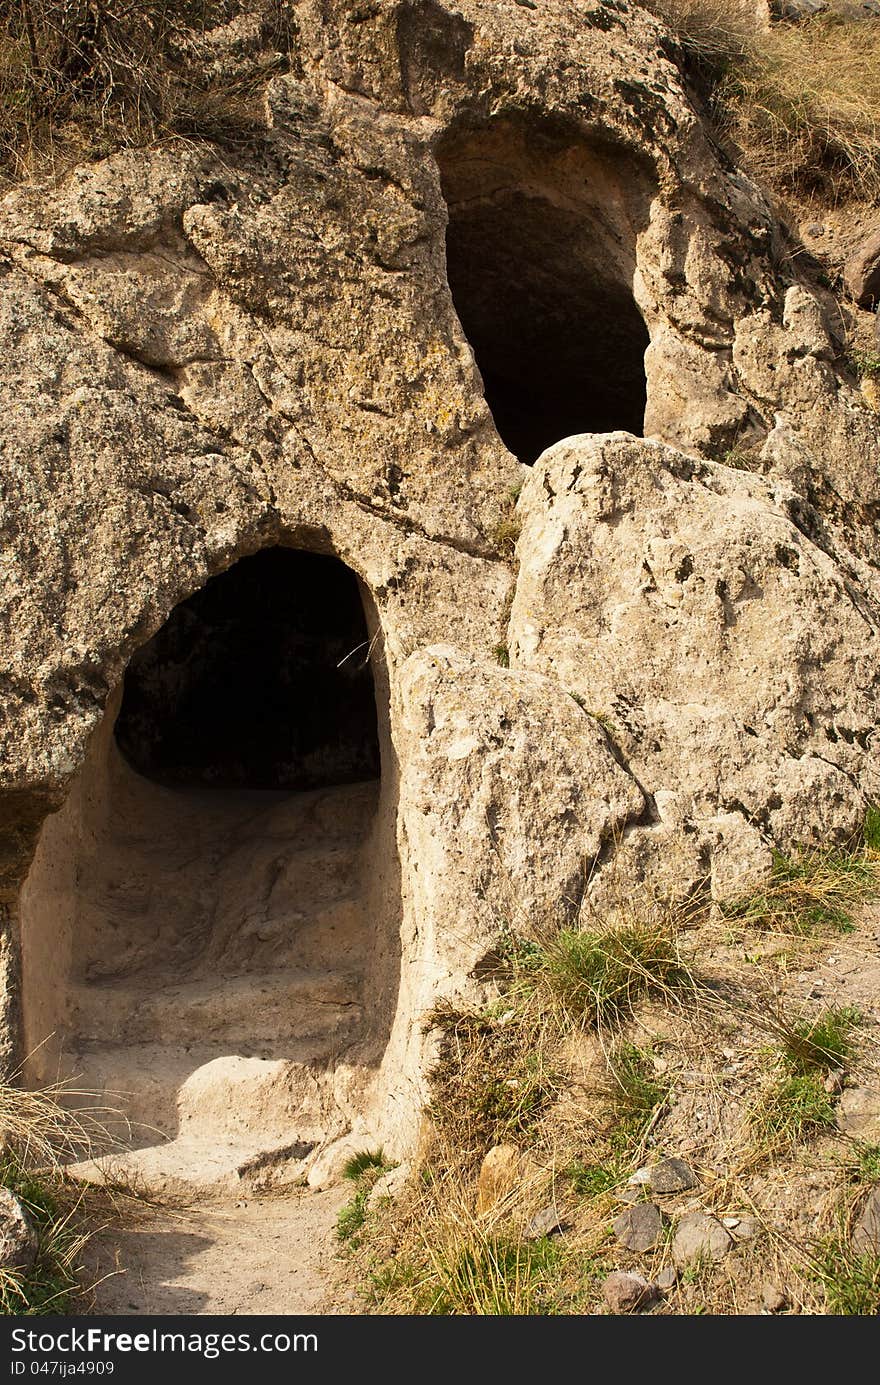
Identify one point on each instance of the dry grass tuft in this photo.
(79, 78)
(808, 891)
(486, 1274)
(597, 977)
(851, 1281)
(493, 1082)
(715, 32)
(806, 108)
(450, 1260)
(38, 1131)
(38, 1135)
(802, 101)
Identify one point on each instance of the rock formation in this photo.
(479, 249)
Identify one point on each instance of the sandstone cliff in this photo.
(484, 311)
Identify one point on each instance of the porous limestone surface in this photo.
(207, 352)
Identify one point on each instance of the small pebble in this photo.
(672, 1176)
(543, 1223)
(747, 1229)
(773, 1298)
(640, 1177)
(627, 1293)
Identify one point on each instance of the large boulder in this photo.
(703, 619)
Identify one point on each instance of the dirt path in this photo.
(272, 1255)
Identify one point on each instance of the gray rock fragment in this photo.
(18, 1236)
(543, 1223)
(639, 1228)
(866, 1236)
(672, 1176)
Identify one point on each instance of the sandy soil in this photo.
(272, 1255)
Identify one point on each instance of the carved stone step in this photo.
(253, 1009)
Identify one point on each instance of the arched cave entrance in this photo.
(540, 252)
(261, 680)
(206, 929)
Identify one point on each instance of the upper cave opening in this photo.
(540, 252)
(260, 680)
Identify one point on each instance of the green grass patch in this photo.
(871, 830)
(598, 977)
(591, 1180)
(351, 1218)
(739, 458)
(794, 1108)
(53, 1282)
(866, 364)
(851, 1282)
(605, 721)
(495, 1276)
(809, 891)
(820, 1044)
(395, 1275)
(364, 1161)
(868, 1163)
(505, 535)
(637, 1091)
(362, 1168)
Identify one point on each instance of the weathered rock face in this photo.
(18, 1239)
(711, 627)
(210, 352)
(862, 272)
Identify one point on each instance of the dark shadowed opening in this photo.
(540, 253)
(261, 680)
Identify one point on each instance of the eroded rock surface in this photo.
(862, 272)
(207, 352)
(696, 613)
